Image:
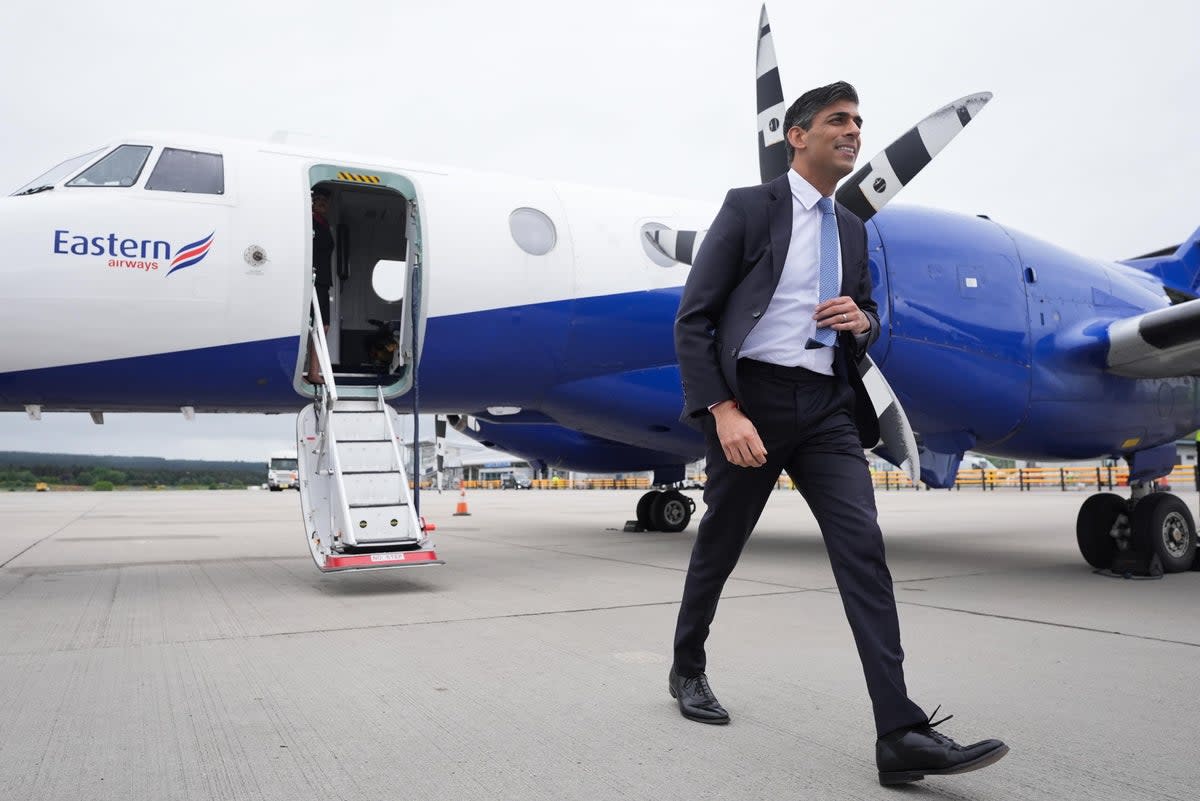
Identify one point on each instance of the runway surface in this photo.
(181, 645)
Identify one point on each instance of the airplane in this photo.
(173, 273)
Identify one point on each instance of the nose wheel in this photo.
(665, 510)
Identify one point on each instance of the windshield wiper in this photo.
(33, 190)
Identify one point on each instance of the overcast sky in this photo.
(1090, 142)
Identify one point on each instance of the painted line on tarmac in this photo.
(1073, 626)
(61, 528)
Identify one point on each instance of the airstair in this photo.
(358, 509)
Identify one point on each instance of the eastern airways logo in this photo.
(193, 253)
(133, 254)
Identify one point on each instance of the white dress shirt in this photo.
(786, 326)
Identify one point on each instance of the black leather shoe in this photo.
(909, 755)
(696, 699)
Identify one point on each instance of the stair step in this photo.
(369, 456)
(361, 426)
(383, 524)
(355, 405)
(373, 489)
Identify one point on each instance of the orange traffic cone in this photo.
(461, 509)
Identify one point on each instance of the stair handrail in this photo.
(326, 398)
(317, 340)
(405, 492)
(342, 506)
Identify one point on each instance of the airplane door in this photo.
(379, 289)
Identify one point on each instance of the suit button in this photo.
(756, 314)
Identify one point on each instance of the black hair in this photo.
(804, 110)
(321, 191)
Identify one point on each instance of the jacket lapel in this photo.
(849, 275)
(779, 215)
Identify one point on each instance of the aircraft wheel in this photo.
(1093, 528)
(644, 506)
(1163, 524)
(672, 511)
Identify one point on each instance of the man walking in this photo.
(776, 313)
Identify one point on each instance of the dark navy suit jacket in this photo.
(732, 281)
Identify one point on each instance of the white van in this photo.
(281, 471)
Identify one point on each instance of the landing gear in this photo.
(1102, 528)
(668, 510)
(1112, 530)
(1163, 525)
(643, 509)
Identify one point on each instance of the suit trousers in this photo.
(806, 423)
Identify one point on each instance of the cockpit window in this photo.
(188, 171)
(119, 168)
(55, 174)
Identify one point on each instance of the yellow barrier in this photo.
(1023, 478)
(1027, 478)
(559, 483)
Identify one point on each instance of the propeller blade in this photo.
(897, 442)
(870, 189)
(682, 246)
(772, 150)
(865, 192)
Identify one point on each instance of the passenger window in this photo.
(188, 171)
(119, 168)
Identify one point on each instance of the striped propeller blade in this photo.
(682, 246)
(772, 150)
(897, 442)
(870, 189)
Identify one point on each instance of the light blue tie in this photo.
(828, 286)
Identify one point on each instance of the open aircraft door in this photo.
(367, 316)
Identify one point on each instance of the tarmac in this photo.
(181, 645)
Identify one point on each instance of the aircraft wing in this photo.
(1163, 343)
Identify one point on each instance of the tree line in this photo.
(23, 471)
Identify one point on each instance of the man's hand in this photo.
(842, 314)
(739, 438)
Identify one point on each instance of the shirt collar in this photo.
(802, 190)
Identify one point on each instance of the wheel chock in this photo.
(1134, 564)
